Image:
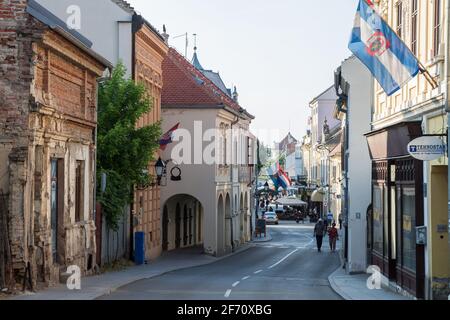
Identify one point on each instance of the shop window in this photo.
(409, 228)
(378, 219)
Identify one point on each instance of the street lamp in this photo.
(160, 168)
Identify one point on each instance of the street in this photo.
(286, 268)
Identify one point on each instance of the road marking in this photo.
(236, 284)
(227, 294)
(245, 278)
(259, 271)
(290, 254)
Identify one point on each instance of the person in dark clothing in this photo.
(319, 231)
(340, 221)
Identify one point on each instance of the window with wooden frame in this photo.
(436, 27)
(414, 25)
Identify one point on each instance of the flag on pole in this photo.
(284, 179)
(278, 176)
(167, 138)
(382, 51)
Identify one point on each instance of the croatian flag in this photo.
(278, 176)
(378, 47)
(284, 179)
(167, 138)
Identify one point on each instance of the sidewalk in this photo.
(97, 286)
(262, 239)
(354, 287)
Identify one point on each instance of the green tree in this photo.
(124, 150)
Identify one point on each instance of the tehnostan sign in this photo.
(427, 148)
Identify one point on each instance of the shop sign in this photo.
(427, 148)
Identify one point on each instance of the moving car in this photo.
(271, 218)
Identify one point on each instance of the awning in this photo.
(291, 202)
(318, 196)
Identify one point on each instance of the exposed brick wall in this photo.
(18, 32)
(47, 110)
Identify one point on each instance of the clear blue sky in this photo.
(280, 54)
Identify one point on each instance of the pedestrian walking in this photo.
(319, 231)
(333, 236)
(340, 221)
(330, 218)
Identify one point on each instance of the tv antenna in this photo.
(186, 36)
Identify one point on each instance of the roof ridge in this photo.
(124, 5)
(220, 94)
(179, 59)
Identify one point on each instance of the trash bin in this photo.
(139, 248)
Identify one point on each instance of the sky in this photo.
(279, 54)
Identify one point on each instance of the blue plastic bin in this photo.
(139, 248)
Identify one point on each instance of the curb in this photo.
(267, 239)
(333, 284)
(335, 287)
(114, 288)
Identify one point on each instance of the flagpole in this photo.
(427, 76)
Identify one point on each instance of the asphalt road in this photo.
(287, 268)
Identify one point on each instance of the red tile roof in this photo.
(184, 85)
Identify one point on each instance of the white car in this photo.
(271, 218)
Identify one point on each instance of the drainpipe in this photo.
(447, 98)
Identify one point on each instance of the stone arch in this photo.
(184, 224)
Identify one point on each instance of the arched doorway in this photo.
(182, 222)
(220, 226)
(165, 229)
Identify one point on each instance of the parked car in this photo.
(271, 218)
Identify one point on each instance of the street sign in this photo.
(427, 148)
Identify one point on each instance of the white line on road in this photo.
(290, 254)
(236, 284)
(227, 294)
(245, 278)
(259, 271)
